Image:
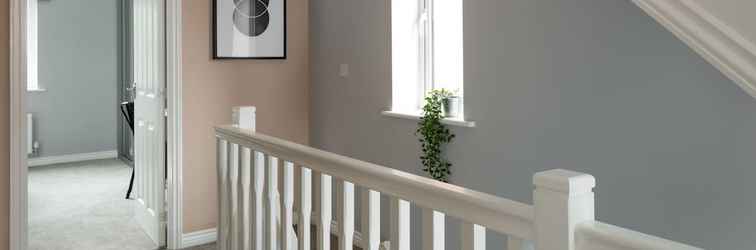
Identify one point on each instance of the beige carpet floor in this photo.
(81, 206)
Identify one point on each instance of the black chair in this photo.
(127, 109)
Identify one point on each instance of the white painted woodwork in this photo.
(244, 117)
(400, 224)
(434, 225)
(305, 208)
(233, 187)
(561, 218)
(258, 211)
(324, 228)
(346, 218)
(495, 213)
(287, 232)
(594, 235)
(473, 237)
(150, 78)
(222, 158)
(371, 219)
(562, 200)
(272, 202)
(244, 197)
(724, 44)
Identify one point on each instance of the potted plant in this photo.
(451, 102)
(434, 135)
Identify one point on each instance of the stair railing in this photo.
(252, 215)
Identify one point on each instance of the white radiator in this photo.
(29, 133)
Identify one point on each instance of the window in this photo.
(427, 51)
(32, 70)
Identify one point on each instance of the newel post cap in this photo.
(564, 181)
(244, 117)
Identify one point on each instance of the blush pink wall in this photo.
(279, 89)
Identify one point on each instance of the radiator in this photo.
(29, 133)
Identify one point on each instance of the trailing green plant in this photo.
(434, 135)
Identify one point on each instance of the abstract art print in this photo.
(249, 29)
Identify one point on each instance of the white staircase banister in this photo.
(561, 217)
(495, 213)
(595, 235)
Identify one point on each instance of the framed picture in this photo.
(249, 29)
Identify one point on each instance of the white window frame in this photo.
(32, 47)
(414, 56)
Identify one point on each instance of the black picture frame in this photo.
(215, 36)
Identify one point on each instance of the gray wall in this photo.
(589, 85)
(78, 65)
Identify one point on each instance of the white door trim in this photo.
(18, 171)
(174, 125)
(719, 44)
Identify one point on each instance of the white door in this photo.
(148, 33)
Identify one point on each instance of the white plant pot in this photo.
(451, 106)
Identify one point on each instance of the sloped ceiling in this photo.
(721, 31)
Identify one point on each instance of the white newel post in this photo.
(231, 233)
(563, 199)
(244, 117)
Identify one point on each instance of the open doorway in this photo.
(95, 121)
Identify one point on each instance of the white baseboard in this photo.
(199, 238)
(49, 160)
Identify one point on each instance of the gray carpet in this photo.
(81, 206)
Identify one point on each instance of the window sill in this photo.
(36, 90)
(416, 116)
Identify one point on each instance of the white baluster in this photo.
(287, 233)
(562, 199)
(233, 177)
(346, 220)
(371, 219)
(222, 192)
(473, 237)
(305, 208)
(245, 172)
(324, 231)
(434, 223)
(400, 224)
(258, 239)
(272, 203)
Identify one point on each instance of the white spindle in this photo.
(272, 202)
(324, 229)
(305, 208)
(473, 237)
(562, 199)
(258, 236)
(433, 229)
(346, 220)
(287, 233)
(371, 220)
(400, 224)
(222, 192)
(245, 172)
(229, 196)
(233, 177)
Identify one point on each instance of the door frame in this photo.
(18, 217)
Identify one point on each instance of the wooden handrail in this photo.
(562, 216)
(598, 235)
(495, 213)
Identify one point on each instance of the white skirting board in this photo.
(49, 160)
(198, 238)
